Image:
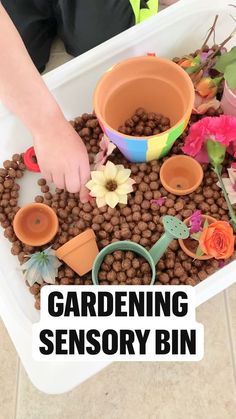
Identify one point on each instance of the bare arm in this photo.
(61, 154)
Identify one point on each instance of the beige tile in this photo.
(231, 306)
(57, 46)
(8, 375)
(150, 390)
(57, 59)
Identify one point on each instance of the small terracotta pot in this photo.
(228, 101)
(184, 243)
(181, 175)
(153, 83)
(35, 224)
(80, 252)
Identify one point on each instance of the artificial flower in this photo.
(196, 77)
(190, 64)
(159, 201)
(230, 185)
(110, 185)
(106, 147)
(221, 129)
(195, 222)
(41, 267)
(207, 87)
(217, 240)
(201, 105)
(216, 152)
(209, 139)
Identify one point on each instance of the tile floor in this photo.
(205, 390)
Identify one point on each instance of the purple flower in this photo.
(159, 201)
(195, 222)
(221, 264)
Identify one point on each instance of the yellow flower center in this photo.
(111, 185)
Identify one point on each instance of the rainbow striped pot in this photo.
(156, 84)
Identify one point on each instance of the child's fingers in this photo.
(84, 194)
(59, 180)
(84, 178)
(47, 176)
(72, 181)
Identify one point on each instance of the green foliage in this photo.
(226, 64)
(216, 152)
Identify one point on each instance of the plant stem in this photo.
(214, 53)
(211, 30)
(230, 208)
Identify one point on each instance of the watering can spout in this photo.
(159, 248)
(174, 229)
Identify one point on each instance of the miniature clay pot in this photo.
(228, 102)
(155, 84)
(181, 175)
(80, 252)
(186, 244)
(35, 224)
(30, 160)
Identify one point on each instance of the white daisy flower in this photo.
(110, 185)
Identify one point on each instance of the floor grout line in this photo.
(229, 325)
(17, 388)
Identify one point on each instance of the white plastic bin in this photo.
(175, 31)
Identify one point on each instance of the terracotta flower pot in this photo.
(35, 224)
(181, 175)
(80, 252)
(228, 101)
(154, 83)
(188, 245)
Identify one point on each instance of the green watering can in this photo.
(174, 229)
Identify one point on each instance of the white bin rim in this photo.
(82, 73)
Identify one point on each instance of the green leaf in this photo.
(216, 152)
(199, 251)
(196, 236)
(230, 75)
(206, 224)
(225, 60)
(216, 81)
(191, 70)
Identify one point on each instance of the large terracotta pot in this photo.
(186, 244)
(80, 252)
(156, 84)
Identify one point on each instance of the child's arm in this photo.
(61, 154)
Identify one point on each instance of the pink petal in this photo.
(202, 105)
(159, 201)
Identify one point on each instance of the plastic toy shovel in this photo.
(174, 229)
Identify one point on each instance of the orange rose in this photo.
(217, 240)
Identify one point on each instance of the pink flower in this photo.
(106, 148)
(195, 222)
(159, 201)
(221, 129)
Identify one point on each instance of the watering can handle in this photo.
(159, 248)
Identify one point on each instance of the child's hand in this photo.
(63, 158)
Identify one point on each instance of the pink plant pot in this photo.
(228, 101)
